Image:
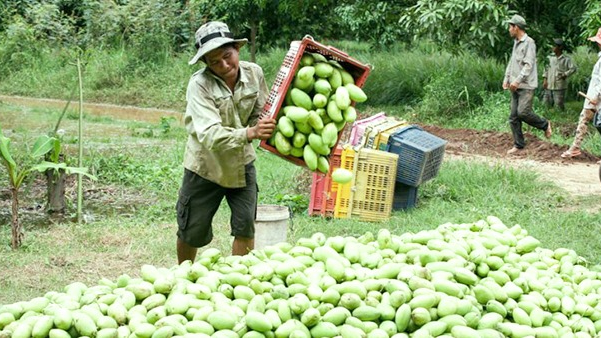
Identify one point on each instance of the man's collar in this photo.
(242, 76)
(523, 38)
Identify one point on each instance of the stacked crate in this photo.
(420, 157)
(388, 158)
(374, 133)
(360, 126)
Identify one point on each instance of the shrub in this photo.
(408, 77)
(585, 59)
(17, 47)
(491, 115)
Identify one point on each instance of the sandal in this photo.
(570, 153)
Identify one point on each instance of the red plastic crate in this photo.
(320, 186)
(285, 75)
(324, 189)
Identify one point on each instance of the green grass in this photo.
(131, 215)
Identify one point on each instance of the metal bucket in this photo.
(271, 225)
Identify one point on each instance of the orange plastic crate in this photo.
(369, 196)
(319, 192)
(285, 75)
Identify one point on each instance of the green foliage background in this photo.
(441, 61)
(142, 44)
(156, 29)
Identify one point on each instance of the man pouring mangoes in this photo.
(223, 116)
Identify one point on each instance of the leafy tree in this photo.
(591, 18)
(12, 8)
(459, 24)
(154, 29)
(375, 22)
(549, 19)
(292, 20)
(103, 24)
(17, 46)
(50, 23)
(151, 28)
(240, 15)
(271, 22)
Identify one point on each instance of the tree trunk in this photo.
(55, 182)
(253, 41)
(17, 232)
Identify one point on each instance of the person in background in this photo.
(555, 77)
(590, 106)
(521, 79)
(223, 116)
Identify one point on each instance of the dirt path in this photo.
(579, 179)
(578, 176)
(100, 109)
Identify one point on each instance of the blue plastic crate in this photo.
(420, 154)
(405, 197)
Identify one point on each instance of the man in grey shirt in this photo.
(521, 79)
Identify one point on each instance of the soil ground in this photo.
(579, 176)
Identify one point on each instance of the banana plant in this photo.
(43, 145)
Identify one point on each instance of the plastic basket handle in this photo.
(338, 51)
(334, 49)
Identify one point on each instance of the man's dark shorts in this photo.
(199, 200)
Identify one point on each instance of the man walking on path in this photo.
(555, 76)
(521, 79)
(590, 106)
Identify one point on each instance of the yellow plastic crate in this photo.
(369, 196)
(372, 133)
(374, 140)
(365, 130)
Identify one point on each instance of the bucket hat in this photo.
(558, 42)
(596, 38)
(518, 20)
(213, 35)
